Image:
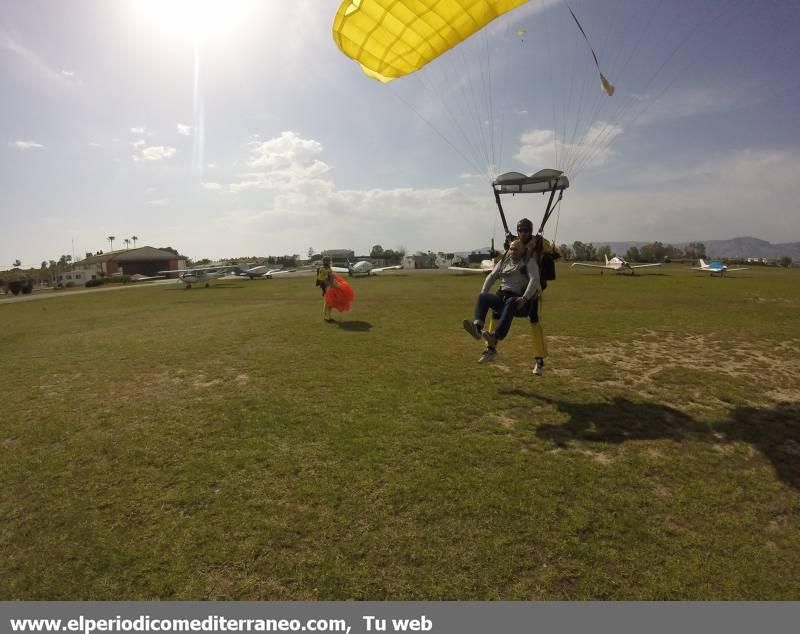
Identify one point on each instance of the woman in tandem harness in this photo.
(519, 286)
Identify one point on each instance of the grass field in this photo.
(225, 443)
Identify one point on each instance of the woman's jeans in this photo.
(503, 303)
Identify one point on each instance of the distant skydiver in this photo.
(336, 293)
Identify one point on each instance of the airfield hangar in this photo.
(141, 260)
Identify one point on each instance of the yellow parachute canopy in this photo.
(392, 38)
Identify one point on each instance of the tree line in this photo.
(652, 252)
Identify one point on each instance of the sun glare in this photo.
(195, 20)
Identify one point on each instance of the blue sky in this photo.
(254, 135)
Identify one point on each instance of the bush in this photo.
(20, 286)
(91, 283)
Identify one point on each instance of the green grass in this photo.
(225, 443)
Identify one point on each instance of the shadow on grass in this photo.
(354, 326)
(202, 286)
(774, 431)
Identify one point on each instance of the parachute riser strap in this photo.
(550, 208)
(500, 208)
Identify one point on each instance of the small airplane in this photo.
(715, 268)
(138, 277)
(364, 267)
(200, 275)
(617, 264)
(262, 271)
(485, 267)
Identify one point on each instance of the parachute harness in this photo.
(542, 182)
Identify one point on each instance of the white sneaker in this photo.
(538, 369)
(488, 355)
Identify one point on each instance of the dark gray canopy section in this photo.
(541, 182)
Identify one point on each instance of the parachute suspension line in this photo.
(618, 71)
(474, 102)
(629, 108)
(607, 85)
(608, 88)
(492, 167)
(595, 145)
(467, 102)
(647, 106)
(470, 147)
(593, 104)
(483, 60)
(550, 207)
(474, 106)
(558, 217)
(434, 128)
(591, 150)
(549, 47)
(567, 105)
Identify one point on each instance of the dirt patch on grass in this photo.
(506, 422)
(654, 365)
(598, 457)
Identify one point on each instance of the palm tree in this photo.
(127, 242)
(111, 241)
(134, 238)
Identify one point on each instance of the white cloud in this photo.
(540, 147)
(717, 197)
(184, 130)
(286, 150)
(212, 186)
(156, 153)
(94, 145)
(68, 73)
(26, 145)
(160, 202)
(138, 131)
(285, 163)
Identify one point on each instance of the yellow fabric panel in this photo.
(537, 336)
(323, 274)
(392, 38)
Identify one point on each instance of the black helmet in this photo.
(525, 225)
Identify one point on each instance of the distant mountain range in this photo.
(734, 248)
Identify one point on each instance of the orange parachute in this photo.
(340, 296)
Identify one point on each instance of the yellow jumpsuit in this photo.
(325, 280)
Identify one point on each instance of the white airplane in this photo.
(262, 271)
(200, 275)
(485, 267)
(138, 277)
(715, 268)
(617, 264)
(364, 268)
